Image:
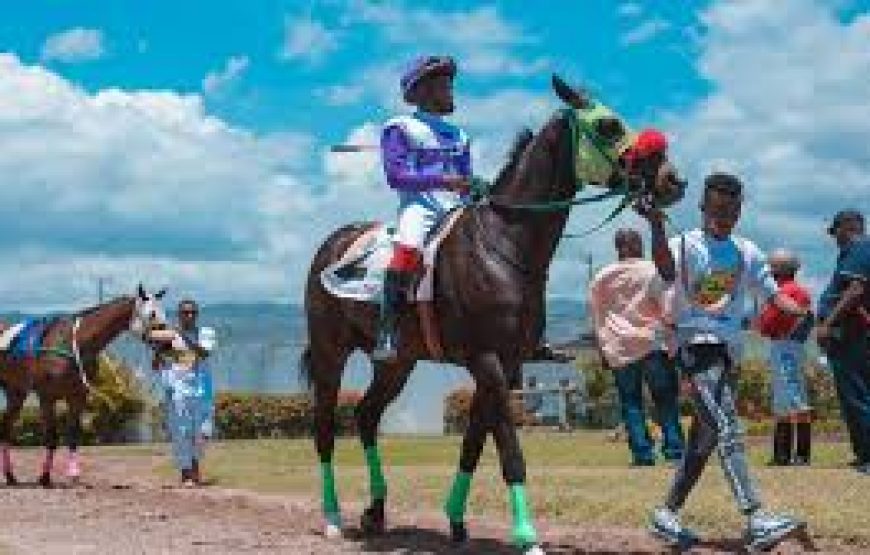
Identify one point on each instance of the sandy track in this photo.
(121, 508)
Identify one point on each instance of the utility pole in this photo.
(101, 283)
(588, 270)
(589, 275)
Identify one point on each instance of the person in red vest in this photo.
(788, 334)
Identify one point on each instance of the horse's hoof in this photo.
(534, 550)
(332, 531)
(45, 480)
(11, 480)
(458, 532)
(372, 521)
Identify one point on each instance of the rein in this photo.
(629, 195)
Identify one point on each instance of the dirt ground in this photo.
(122, 506)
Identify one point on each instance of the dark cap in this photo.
(844, 216)
(425, 66)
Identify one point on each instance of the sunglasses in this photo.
(188, 312)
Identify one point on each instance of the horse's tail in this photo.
(306, 369)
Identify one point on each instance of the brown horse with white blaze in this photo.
(62, 369)
(491, 273)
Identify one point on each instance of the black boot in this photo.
(782, 440)
(804, 442)
(395, 287)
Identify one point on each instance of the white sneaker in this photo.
(666, 525)
(766, 530)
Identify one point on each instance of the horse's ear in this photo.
(159, 294)
(141, 292)
(571, 97)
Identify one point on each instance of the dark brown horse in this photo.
(62, 370)
(491, 274)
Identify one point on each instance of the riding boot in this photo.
(804, 441)
(782, 441)
(395, 287)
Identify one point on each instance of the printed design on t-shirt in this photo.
(713, 291)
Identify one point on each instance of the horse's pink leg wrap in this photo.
(48, 462)
(6, 457)
(73, 465)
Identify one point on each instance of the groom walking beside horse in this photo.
(490, 274)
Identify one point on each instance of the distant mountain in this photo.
(259, 345)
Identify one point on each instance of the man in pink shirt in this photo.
(627, 301)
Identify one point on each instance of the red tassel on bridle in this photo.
(647, 143)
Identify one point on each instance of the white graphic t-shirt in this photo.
(714, 278)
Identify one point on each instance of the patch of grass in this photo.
(580, 477)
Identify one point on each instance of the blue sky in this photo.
(167, 45)
(185, 143)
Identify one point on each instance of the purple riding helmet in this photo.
(425, 66)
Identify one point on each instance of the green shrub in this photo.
(753, 396)
(251, 415)
(754, 390)
(457, 406)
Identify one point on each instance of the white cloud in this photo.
(481, 38)
(307, 39)
(357, 171)
(123, 183)
(509, 108)
(74, 45)
(645, 31)
(629, 9)
(789, 91)
(492, 62)
(32, 283)
(494, 120)
(480, 26)
(216, 81)
(341, 95)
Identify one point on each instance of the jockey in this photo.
(428, 162)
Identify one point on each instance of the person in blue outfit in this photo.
(844, 312)
(188, 389)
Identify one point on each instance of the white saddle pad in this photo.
(9, 335)
(359, 274)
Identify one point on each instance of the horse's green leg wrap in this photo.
(455, 505)
(377, 483)
(523, 533)
(331, 512)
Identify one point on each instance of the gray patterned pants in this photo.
(715, 426)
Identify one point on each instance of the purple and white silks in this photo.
(419, 151)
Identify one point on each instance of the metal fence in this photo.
(568, 407)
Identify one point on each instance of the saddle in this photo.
(24, 339)
(359, 274)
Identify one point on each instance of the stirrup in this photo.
(386, 349)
